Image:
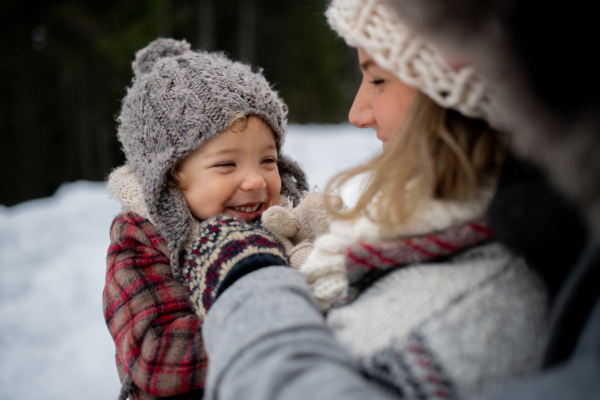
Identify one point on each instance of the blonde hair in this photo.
(238, 122)
(437, 154)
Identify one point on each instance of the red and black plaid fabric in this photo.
(363, 257)
(158, 336)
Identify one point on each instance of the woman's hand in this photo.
(224, 250)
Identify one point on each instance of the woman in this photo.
(434, 308)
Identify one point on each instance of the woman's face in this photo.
(382, 99)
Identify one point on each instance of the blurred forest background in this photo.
(65, 66)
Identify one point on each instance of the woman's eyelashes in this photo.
(377, 81)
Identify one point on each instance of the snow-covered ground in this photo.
(53, 340)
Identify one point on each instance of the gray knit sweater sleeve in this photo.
(266, 339)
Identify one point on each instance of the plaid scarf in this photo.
(366, 261)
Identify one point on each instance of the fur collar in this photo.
(431, 216)
(124, 186)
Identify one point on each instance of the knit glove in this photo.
(297, 228)
(224, 250)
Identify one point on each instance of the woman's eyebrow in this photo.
(366, 65)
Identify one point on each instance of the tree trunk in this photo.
(163, 18)
(206, 24)
(87, 151)
(28, 138)
(247, 31)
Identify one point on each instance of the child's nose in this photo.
(254, 180)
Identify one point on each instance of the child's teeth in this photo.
(247, 209)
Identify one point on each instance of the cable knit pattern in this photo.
(374, 26)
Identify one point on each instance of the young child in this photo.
(202, 136)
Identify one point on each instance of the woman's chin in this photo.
(383, 139)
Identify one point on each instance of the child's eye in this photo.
(225, 164)
(269, 160)
(377, 81)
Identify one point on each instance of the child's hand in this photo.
(297, 228)
(224, 250)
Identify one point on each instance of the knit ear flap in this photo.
(293, 179)
(174, 220)
(146, 57)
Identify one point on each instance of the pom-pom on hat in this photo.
(178, 100)
(375, 26)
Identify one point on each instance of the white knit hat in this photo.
(374, 26)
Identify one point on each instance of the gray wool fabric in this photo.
(454, 329)
(178, 100)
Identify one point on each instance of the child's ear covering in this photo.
(178, 180)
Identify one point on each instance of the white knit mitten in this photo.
(297, 228)
(324, 267)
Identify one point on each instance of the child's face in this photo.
(233, 173)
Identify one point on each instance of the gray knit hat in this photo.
(178, 100)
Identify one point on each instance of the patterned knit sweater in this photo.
(458, 316)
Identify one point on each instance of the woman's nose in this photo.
(253, 180)
(361, 112)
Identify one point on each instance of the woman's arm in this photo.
(266, 339)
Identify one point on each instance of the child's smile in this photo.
(233, 173)
(247, 211)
